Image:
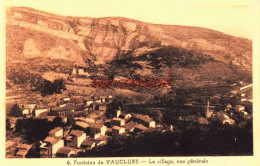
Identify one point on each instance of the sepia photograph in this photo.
(121, 80)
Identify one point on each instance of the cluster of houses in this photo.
(95, 128)
(22, 150)
(239, 109)
(92, 131)
(87, 132)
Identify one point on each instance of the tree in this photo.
(16, 111)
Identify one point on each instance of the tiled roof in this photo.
(130, 125)
(117, 119)
(93, 116)
(64, 150)
(97, 126)
(76, 133)
(141, 127)
(116, 128)
(51, 140)
(145, 118)
(24, 146)
(21, 152)
(55, 130)
(123, 114)
(79, 118)
(87, 143)
(82, 124)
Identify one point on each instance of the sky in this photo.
(232, 17)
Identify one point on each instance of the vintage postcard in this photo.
(129, 82)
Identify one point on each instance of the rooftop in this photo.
(87, 143)
(142, 117)
(79, 118)
(64, 150)
(97, 126)
(21, 152)
(141, 127)
(55, 130)
(76, 133)
(116, 128)
(117, 119)
(24, 146)
(51, 140)
(130, 125)
(82, 124)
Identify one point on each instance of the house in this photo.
(21, 153)
(243, 99)
(99, 106)
(63, 111)
(139, 128)
(56, 132)
(228, 121)
(243, 113)
(101, 140)
(223, 118)
(203, 120)
(234, 92)
(31, 106)
(39, 111)
(22, 150)
(64, 119)
(96, 135)
(229, 106)
(116, 130)
(98, 101)
(50, 118)
(65, 152)
(50, 146)
(82, 119)
(74, 71)
(88, 101)
(144, 120)
(81, 71)
(103, 99)
(94, 117)
(75, 138)
(117, 122)
(63, 105)
(239, 108)
(130, 126)
(24, 147)
(26, 112)
(117, 113)
(82, 125)
(125, 116)
(99, 121)
(98, 128)
(66, 99)
(88, 144)
(88, 120)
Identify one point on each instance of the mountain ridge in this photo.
(108, 36)
(42, 43)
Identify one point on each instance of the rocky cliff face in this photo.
(101, 39)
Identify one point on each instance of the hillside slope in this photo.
(40, 42)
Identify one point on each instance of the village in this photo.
(91, 124)
(87, 132)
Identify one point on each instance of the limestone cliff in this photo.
(82, 40)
